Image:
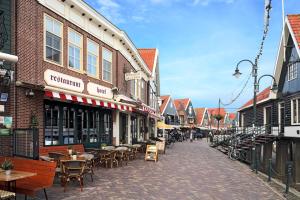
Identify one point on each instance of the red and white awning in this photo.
(84, 100)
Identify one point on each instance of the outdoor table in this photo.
(11, 179)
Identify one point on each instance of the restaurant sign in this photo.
(99, 90)
(133, 76)
(63, 81)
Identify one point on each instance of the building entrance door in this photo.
(134, 131)
(123, 129)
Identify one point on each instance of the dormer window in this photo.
(292, 71)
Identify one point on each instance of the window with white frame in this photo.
(75, 49)
(292, 71)
(143, 90)
(53, 46)
(106, 65)
(132, 87)
(92, 58)
(295, 104)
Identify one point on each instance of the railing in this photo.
(26, 143)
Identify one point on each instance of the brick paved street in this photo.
(187, 171)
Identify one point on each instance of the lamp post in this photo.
(237, 74)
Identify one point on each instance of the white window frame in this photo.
(292, 71)
(111, 61)
(93, 54)
(243, 120)
(61, 41)
(265, 114)
(81, 50)
(279, 113)
(297, 113)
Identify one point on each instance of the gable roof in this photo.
(149, 56)
(261, 97)
(199, 115)
(294, 21)
(165, 100)
(181, 104)
(290, 29)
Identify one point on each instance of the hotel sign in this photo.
(63, 81)
(99, 90)
(133, 76)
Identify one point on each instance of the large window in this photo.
(53, 46)
(106, 65)
(51, 125)
(295, 111)
(132, 87)
(74, 124)
(75, 50)
(92, 58)
(143, 90)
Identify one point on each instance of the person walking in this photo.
(191, 135)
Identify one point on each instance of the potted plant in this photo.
(103, 145)
(7, 165)
(74, 155)
(70, 149)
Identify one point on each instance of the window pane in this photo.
(294, 111)
(298, 102)
(107, 55)
(93, 48)
(74, 38)
(56, 28)
(56, 42)
(56, 56)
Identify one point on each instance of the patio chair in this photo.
(89, 168)
(111, 159)
(122, 156)
(73, 170)
(56, 157)
(4, 195)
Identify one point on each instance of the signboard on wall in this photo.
(99, 90)
(133, 76)
(60, 80)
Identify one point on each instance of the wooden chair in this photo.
(4, 195)
(89, 168)
(73, 170)
(111, 159)
(122, 156)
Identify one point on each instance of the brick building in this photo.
(70, 80)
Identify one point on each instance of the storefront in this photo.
(67, 123)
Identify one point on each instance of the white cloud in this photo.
(111, 10)
(206, 2)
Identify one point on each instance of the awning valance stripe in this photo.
(84, 100)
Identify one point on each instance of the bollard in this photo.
(253, 158)
(288, 178)
(270, 170)
(256, 161)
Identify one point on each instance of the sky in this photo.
(201, 41)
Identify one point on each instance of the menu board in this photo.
(151, 153)
(161, 145)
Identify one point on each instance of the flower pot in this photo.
(8, 172)
(74, 157)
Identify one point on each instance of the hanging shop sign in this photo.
(59, 80)
(133, 76)
(99, 90)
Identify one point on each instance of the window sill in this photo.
(54, 63)
(76, 70)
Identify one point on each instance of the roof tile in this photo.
(295, 25)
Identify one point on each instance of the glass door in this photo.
(134, 131)
(105, 136)
(123, 129)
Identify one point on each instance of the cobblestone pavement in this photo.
(186, 171)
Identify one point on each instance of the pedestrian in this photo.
(191, 135)
(210, 137)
